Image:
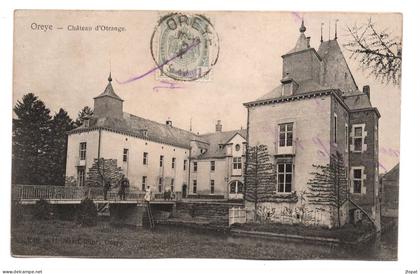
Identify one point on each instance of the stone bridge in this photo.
(30, 194)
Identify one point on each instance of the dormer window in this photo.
(86, 122)
(289, 86)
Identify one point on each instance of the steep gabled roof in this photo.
(214, 150)
(331, 54)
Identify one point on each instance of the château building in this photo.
(154, 154)
(316, 111)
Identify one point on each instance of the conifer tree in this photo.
(30, 141)
(61, 124)
(86, 112)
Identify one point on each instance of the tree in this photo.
(30, 141)
(86, 112)
(377, 51)
(60, 125)
(104, 170)
(329, 186)
(259, 175)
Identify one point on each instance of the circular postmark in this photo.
(185, 47)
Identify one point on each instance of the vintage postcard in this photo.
(222, 134)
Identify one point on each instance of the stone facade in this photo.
(219, 165)
(390, 192)
(152, 154)
(309, 117)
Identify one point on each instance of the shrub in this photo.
(65, 212)
(42, 210)
(87, 214)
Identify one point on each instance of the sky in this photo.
(66, 69)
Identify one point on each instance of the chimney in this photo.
(218, 126)
(366, 90)
(169, 122)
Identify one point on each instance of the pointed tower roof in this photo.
(332, 56)
(303, 41)
(109, 91)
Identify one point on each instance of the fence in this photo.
(48, 192)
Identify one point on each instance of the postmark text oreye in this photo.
(185, 47)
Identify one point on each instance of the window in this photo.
(82, 151)
(81, 172)
(358, 138)
(212, 186)
(237, 163)
(335, 128)
(240, 187)
(232, 187)
(143, 183)
(212, 165)
(161, 161)
(195, 166)
(160, 186)
(284, 177)
(286, 134)
(145, 158)
(185, 165)
(173, 162)
(357, 180)
(236, 187)
(172, 185)
(346, 134)
(125, 154)
(194, 186)
(237, 147)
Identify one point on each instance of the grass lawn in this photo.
(347, 233)
(65, 238)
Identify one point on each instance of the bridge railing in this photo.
(49, 192)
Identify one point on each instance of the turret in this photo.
(108, 103)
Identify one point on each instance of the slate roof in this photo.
(150, 130)
(357, 100)
(162, 133)
(109, 91)
(143, 128)
(304, 87)
(219, 138)
(393, 174)
(330, 51)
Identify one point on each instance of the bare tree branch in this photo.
(378, 52)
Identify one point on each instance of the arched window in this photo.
(236, 187)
